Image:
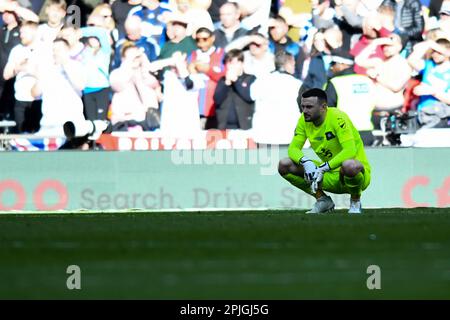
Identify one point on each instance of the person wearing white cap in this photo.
(179, 39)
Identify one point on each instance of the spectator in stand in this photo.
(180, 117)
(229, 28)
(234, 103)
(135, 91)
(179, 39)
(21, 64)
(372, 29)
(276, 106)
(354, 11)
(351, 93)
(386, 19)
(258, 60)
(408, 20)
(344, 13)
(12, 14)
(102, 17)
(154, 16)
(96, 58)
(72, 34)
(207, 61)
(9, 37)
(120, 11)
(341, 14)
(281, 42)
(133, 29)
(390, 75)
(255, 15)
(214, 9)
(22, 11)
(55, 12)
(323, 14)
(434, 90)
(444, 18)
(59, 79)
(438, 16)
(319, 62)
(196, 14)
(334, 38)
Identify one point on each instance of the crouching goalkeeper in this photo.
(344, 167)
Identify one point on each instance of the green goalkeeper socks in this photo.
(354, 184)
(299, 182)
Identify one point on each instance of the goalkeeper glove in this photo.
(318, 177)
(310, 169)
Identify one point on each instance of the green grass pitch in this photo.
(227, 255)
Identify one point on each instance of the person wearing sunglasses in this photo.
(207, 61)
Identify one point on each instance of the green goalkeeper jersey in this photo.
(335, 140)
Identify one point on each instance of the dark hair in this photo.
(31, 24)
(280, 18)
(443, 42)
(256, 32)
(204, 30)
(280, 60)
(234, 54)
(316, 92)
(63, 41)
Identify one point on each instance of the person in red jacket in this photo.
(373, 27)
(208, 61)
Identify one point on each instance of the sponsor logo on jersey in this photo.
(341, 123)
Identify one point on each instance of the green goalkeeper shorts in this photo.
(333, 182)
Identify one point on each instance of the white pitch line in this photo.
(173, 210)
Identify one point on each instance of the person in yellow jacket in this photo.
(343, 168)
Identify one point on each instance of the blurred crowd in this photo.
(183, 66)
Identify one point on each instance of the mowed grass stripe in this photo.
(227, 255)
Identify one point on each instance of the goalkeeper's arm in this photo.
(295, 148)
(348, 152)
